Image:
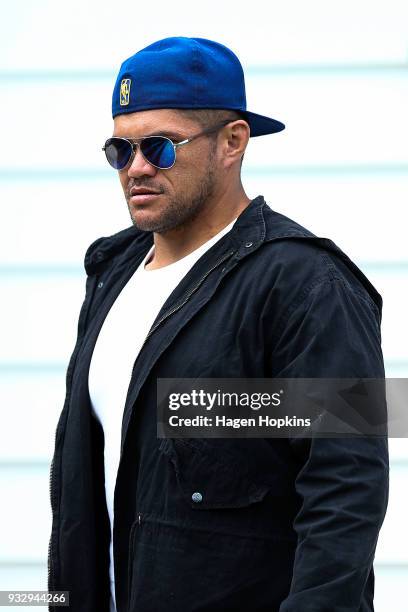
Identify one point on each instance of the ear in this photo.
(235, 139)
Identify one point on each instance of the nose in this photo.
(139, 166)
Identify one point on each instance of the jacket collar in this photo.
(256, 224)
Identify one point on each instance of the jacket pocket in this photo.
(132, 536)
(210, 477)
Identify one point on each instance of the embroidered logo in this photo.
(125, 91)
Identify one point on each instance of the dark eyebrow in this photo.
(173, 135)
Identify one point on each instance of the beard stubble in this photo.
(182, 210)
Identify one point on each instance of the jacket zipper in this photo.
(49, 585)
(187, 297)
(180, 305)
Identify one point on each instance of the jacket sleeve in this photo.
(342, 482)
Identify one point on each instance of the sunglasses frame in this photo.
(135, 143)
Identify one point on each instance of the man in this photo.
(209, 283)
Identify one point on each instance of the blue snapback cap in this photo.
(181, 72)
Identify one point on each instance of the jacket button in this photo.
(248, 244)
(100, 285)
(197, 497)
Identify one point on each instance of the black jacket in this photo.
(284, 525)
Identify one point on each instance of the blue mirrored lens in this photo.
(158, 151)
(118, 152)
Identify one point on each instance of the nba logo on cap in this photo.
(125, 92)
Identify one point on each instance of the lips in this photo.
(138, 191)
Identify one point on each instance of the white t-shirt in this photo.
(118, 344)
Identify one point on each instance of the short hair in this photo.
(205, 117)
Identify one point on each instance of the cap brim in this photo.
(261, 125)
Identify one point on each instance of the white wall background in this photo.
(336, 73)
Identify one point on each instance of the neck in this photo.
(174, 244)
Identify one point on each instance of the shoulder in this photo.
(299, 262)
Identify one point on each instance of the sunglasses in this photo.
(159, 151)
